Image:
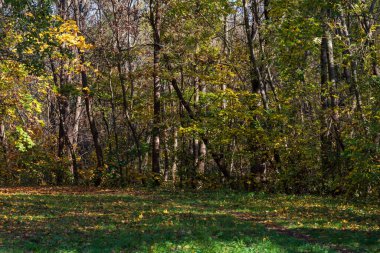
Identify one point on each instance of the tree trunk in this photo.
(202, 147)
(175, 157)
(155, 22)
(74, 139)
(325, 134)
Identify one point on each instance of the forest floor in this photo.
(103, 220)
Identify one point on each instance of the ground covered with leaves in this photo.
(101, 220)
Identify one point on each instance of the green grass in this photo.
(57, 220)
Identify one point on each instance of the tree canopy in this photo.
(271, 95)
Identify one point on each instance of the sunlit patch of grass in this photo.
(161, 221)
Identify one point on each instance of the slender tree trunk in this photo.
(166, 154)
(194, 173)
(334, 96)
(155, 22)
(74, 139)
(62, 108)
(202, 147)
(62, 105)
(175, 157)
(202, 158)
(164, 137)
(3, 142)
(325, 133)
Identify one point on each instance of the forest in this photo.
(189, 125)
(276, 96)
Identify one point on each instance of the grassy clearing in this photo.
(64, 220)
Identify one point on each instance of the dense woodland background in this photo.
(273, 95)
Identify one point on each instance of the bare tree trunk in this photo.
(202, 158)
(146, 158)
(164, 137)
(3, 143)
(62, 105)
(195, 140)
(166, 154)
(325, 133)
(175, 157)
(74, 139)
(333, 94)
(155, 22)
(202, 147)
(62, 110)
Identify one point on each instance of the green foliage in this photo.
(311, 127)
(23, 141)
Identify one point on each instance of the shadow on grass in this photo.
(205, 233)
(126, 223)
(358, 241)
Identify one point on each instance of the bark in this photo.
(175, 157)
(155, 22)
(202, 158)
(165, 140)
(326, 144)
(166, 154)
(62, 104)
(195, 140)
(73, 140)
(62, 110)
(330, 129)
(3, 143)
(334, 96)
(202, 147)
